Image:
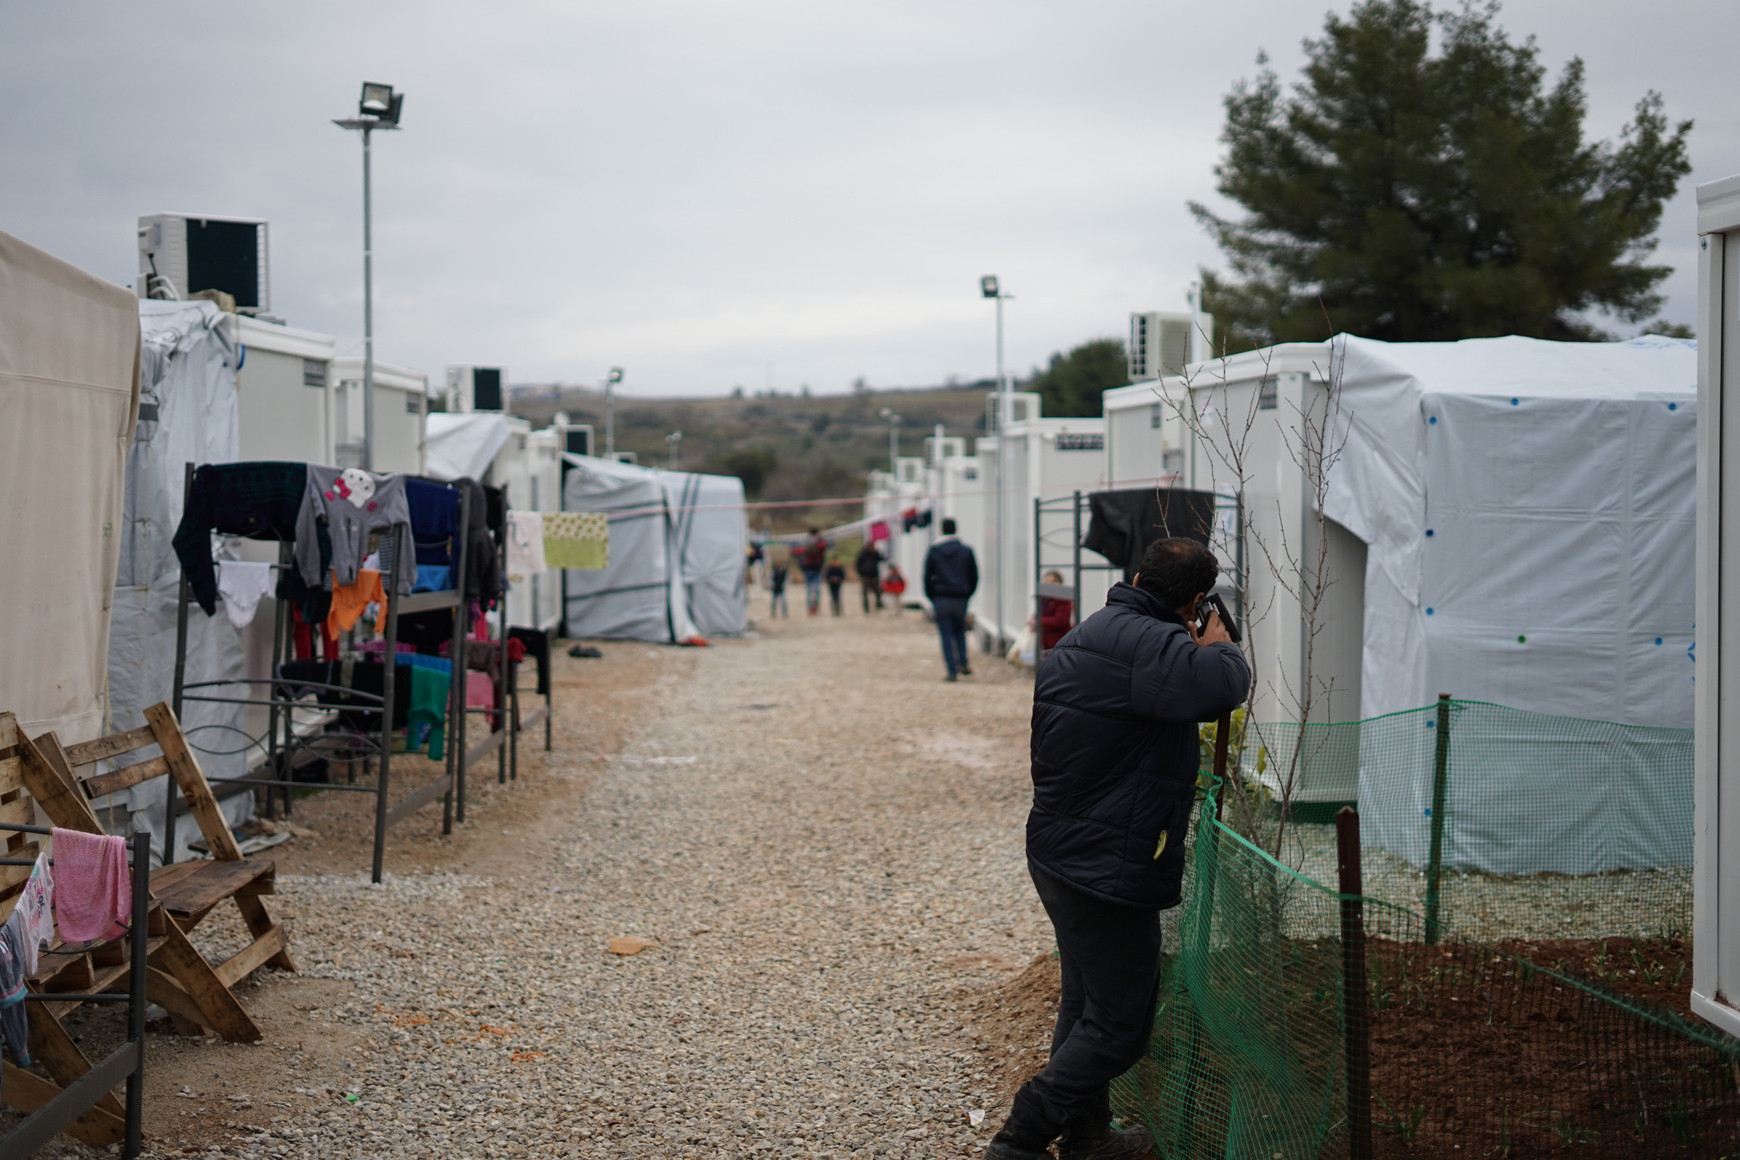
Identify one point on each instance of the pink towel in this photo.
(90, 885)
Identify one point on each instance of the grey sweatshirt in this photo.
(355, 504)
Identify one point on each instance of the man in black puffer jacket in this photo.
(1115, 712)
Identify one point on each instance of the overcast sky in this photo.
(767, 192)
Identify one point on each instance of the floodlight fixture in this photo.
(615, 374)
(988, 286)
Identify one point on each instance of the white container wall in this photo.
(1716, 849)
(401, 409)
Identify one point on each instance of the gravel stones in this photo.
(821, 844)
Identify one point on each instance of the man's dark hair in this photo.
(815, 531)
(1175, 570)
(948, 527)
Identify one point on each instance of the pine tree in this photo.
(1405, 193)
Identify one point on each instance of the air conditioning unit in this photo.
(1023, 406)
(577, 440)
(472, 389)
(1160, 344)
(181, 255)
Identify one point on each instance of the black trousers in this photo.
(1111, 981)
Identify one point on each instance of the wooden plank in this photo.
(485, 747)
(9, 771)
(54, 1049)
(185, 769)
(209, 885)
(535, 717)
(27, 1091)
(115, 744)
(259, 922)
(218, 1008)
(104, 784)
(417, 801)
(162, 989)
(245, 961)
(52, 785)
(13, 876)
(20, 811)
(164, 877)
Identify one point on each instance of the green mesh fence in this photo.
(1529, 1006)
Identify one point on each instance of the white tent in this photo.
(464, 446)
(1528, 511)
(187, 414)
(69, 392)
(677, 544)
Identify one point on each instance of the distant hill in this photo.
(784, 447)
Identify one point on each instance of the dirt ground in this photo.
(203, 1096)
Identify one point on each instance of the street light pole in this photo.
(378, 109)
(989, 287)
(893, 421)
(675, 441)
(610, 381)
(368, 451)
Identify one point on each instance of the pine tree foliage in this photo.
(1424, 181)
(1071, 384)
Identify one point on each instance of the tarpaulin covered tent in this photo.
(187, 414)
(1527, 508)
(69, 392)
(464, 446)
(677, 544)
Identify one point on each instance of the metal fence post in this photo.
(1440, 790)
(1355, 1019)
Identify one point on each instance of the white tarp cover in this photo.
(1528, 508)
(712, 531)
(463, 446)
(188, 414)
(69, 393)
(677, 545)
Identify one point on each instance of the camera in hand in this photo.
(1212, 603)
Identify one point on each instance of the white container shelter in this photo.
(401, 407)
(1042, 459)
(1509, 520)
(1716, 868)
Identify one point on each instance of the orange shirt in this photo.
(349, 600)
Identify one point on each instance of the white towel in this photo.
(242, 584)
(525, 545)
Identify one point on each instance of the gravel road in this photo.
(820, 838)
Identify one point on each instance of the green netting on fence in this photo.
(1531, 825)
(1523, 1048)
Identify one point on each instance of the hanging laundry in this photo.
(434, 519)
(577, 540)
(525, 545)
(36, 907)
(242, 583)
(429, 691)
(260, 500)
(349, 600)
(878, 532)
(14, 1025)
(433, 578)
(909, 519)
(91, 885)
(923, 520)
(354, 504)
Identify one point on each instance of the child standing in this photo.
(835, 576)
(894, 584)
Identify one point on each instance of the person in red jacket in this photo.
(1056, 616)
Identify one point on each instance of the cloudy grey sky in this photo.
(776, 192)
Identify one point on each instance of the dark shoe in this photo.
(585, 652)
(965, 671)
(950, 678)
(1002, 1151)
(1104, 1142)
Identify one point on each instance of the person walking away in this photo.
(1056, 616)
(1115, 713)
(778, 572)
(951, 576)
(836, 577)
(895, 585)
(869, 568)
(812, 557)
